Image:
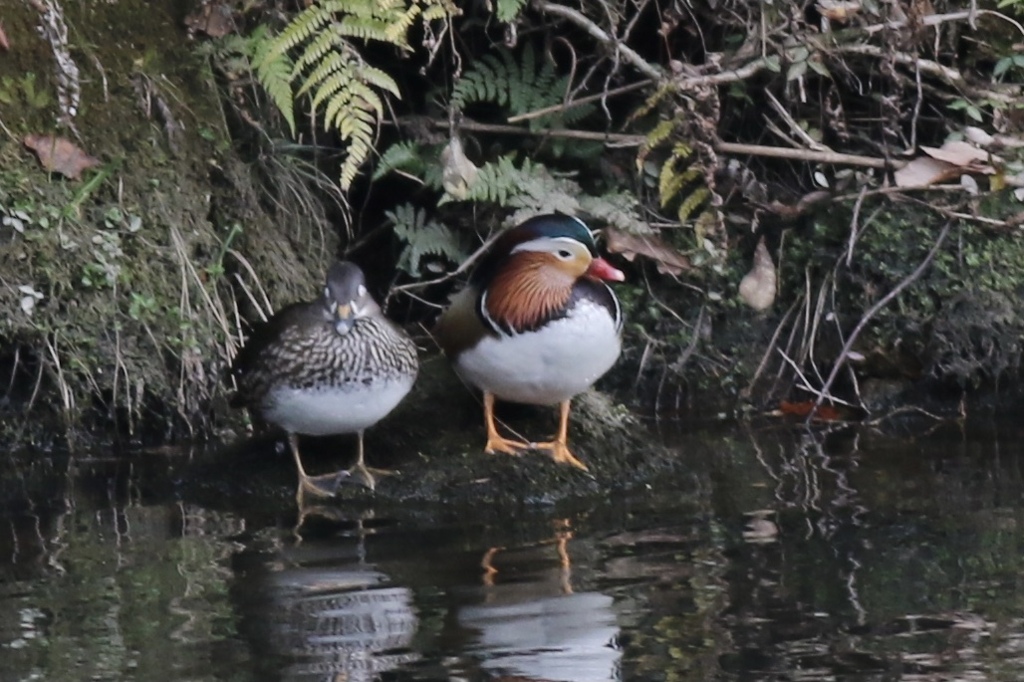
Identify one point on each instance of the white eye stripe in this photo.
(545, 245)
(361, 291)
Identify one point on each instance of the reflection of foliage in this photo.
(331, 70)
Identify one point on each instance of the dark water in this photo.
(779, 554)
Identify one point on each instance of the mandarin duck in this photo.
(536, 324)
(329, 366)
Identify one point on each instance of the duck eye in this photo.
(564, 254)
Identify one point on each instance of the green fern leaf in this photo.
(379, 79)
(332, 64)
(325, 44)
(311, 20)
(274, 74)
(398, 30)
(520, 84)
(365, 28)
(423, 237)
(402, 156)
(618, 209)
(329, 69)
(691, 203)
(508, 10)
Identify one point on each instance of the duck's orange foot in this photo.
(325, 485)
(560, 453)
(497, 444)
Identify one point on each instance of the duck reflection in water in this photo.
(533, 625)
(328, 614)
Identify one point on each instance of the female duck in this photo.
(328, 366)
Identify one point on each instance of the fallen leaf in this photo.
(758, 287)
(957, 152)
(58, 154)
(666, 258)
(459, 173)
(4, 43)
(924, 170)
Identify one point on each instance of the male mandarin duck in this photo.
(536, 324)
(329, 366)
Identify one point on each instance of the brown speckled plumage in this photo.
(329, 366)
(299, 347)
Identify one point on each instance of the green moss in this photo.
(132, 270)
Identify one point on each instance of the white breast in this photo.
(343, 409)
(545, 367)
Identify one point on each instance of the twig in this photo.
(809, 141)
(627, 53)
(623, 139)
(900, 190)
(948, 74)
(806, 155)
(771, 344)
(807, 386)
(466, 265)
(907, 281)
(936, 19)
(901, 410)
(500, 128)
(853, 225)
(556, 108)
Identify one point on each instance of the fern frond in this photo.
(365, 28)
(398, 29)
(520, 84)
(659, 134)
(311, 20)
(379, 79)
(423, 237)
(690, 204)
(275, 75)
(671, 181)
(406, 155)
(332, 85)
(508, 10)
(652, 101)
(330, 65)
(329, 69)
(324, 44)
(618, 209)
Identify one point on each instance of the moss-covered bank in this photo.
(119, 289)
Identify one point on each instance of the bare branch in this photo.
(576, 17)
(806, 155)
(884, 301)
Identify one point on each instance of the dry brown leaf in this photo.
(60, 155)
(958, 153)
(758, 287)
(667, 259)
(924, 170)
